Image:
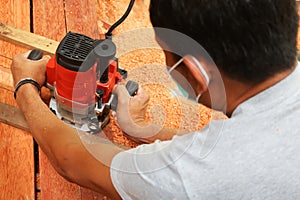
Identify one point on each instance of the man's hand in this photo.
(24, 68)
(61, 142)
(130, 114)
(131, 110)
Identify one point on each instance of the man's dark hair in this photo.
(249, 40)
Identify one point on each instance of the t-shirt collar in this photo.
(275, 95)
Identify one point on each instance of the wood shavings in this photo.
(163, 108)
(147, 67)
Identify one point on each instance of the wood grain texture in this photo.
(15, 13)
(16, 146)
(49, 21)
(52, 19)
(81, 17)
(27, 39)
(52, 185)
(16, 166)
(12, 116)
(77, 16)
(6, 80)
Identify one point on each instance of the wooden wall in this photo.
(25, 172)
(16, 146)
(21, 175)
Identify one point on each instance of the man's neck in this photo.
(238, 92)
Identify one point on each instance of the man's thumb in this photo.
(123, 95)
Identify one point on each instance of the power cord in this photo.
(115, 25)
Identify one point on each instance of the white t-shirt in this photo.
(253, 155)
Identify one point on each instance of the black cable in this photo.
(109, 32)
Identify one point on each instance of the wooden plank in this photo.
(16, 146)
(17, 166)
(12, 116)
(29, 40)
(52, 185)
(9, 12)
(81, 17)
(49, 19)
(15, 13)
(16, 149)
(53, 25)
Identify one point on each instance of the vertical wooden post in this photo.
(52, 19)
(16, 146)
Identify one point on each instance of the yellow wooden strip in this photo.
(27, 39)
(6, 79)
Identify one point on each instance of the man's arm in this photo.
(59, 141)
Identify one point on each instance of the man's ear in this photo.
(198, 71)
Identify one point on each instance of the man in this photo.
(255, 153)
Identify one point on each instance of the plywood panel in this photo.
(16, 165)
(17, 170)
(6, 80)
(53, 186)
(52, 19)
(81, 17)
(4, 60)
(76, 16)
(12, 116)
(15, 13)
(16, 146)
(49, 21)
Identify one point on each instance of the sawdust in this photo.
(146, 66)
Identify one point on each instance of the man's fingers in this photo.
(123, 95)
(121, 91)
